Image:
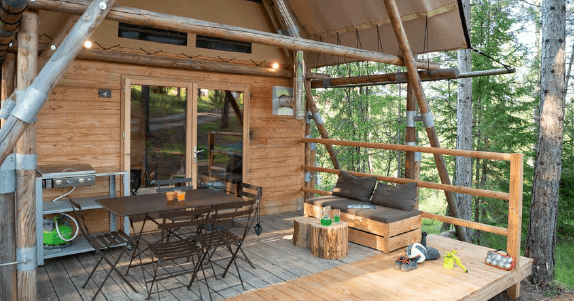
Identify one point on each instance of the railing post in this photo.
(515, 216)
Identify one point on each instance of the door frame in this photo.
(191, 119)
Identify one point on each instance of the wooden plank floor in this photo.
(273, 254)
(374, 278)
(285, 272)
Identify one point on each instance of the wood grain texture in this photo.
(302, 231)
(329, 242)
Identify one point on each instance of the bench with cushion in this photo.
(391, 225)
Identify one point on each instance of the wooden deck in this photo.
(285, 272)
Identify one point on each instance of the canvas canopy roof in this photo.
(365, 24)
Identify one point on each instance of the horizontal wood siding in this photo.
(75, 126)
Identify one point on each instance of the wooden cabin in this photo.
(224, 67)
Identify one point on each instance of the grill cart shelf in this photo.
(47, 180)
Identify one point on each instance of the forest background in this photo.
(505, 119)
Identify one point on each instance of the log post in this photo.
(8, 288)
(320, 125)
(26, 160)
(412, 159)
(515, 216)
(32, 99)
(170, 22)
(414, 79)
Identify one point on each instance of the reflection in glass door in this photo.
(158, 133)
(219, 138)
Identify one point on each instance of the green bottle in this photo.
(326, 219)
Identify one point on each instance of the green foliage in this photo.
(564, 267)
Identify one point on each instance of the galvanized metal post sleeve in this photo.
(318, 119)
(428, 120)
(26, 161)
(7, 106)
(411, 118)
(417, 156)
(308, 117)
(8, 175)
(313, 146)
(28, 104)
(327, 82)
(26, 258)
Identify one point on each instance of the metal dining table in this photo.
(157, 202)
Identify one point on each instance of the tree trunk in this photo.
(464, 129)
(541, 240)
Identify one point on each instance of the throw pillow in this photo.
(402, 196)
(357, 188)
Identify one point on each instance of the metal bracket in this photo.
(28, 104)
(308, 176)
(26, 161)
(327, 82)
(411, 143)
(8, 175)
(26, 258)
(411, 118)
(308, 117)
(318, 119)
(313, 146)
(418, 156)
(309, 136)
(7, 107)
(428, 119)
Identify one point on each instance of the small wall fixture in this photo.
(283, 101)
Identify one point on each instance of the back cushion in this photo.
(402, 196)
(356, 188)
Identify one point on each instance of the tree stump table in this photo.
(329, 242)
(302, 231)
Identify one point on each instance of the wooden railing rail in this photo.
(514, 196)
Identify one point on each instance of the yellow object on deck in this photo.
(450, 259)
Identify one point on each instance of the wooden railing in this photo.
(514, 196)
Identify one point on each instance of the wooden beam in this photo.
(458, 189)
(25, 148)
(399, 77)
(186, 64)
(465, 223)
(416, 83)
(8, 288)
(10, 16)
(402, 77)
(423, 149)
(55, 43)
(170, 22)
(32, 100)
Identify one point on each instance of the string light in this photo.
(88, 44)
(275, 65)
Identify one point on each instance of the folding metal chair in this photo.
(175, 247)
(224, 237)
(102, 243)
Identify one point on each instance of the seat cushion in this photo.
(402, 196)
(336, 202)
(386, 214)
(357, 188)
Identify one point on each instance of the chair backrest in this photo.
(235, 210)
(77, 211)
(176, 219)
(254, 193)
(169, 184)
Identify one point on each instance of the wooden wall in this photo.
(76, 126)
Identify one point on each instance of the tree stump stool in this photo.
(329, 242)
(302, 231)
